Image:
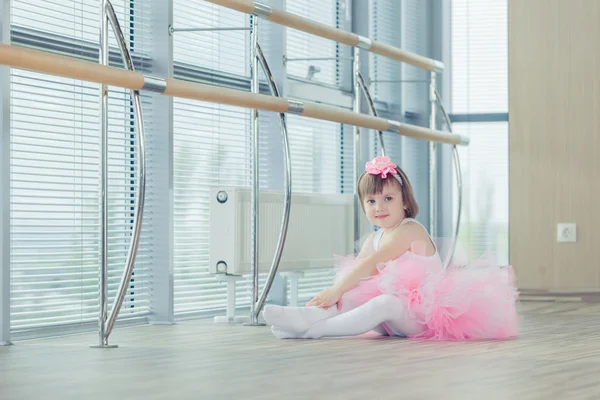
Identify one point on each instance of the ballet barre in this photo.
(306, 25)
(67, 67)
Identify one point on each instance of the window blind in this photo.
(415, 39)
(219, 51)
(211, 148)
(479, 56)
(211, 144)
(304, 45)
(480, 85)
(55, 164)
(315, 148)
(415, 104)
(386, 74)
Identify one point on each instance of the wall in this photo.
(554, 86)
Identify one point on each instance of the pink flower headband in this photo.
(383, 166)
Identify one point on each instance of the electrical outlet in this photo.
(566, 232)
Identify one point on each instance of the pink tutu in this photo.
(477, 301)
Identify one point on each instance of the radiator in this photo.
(320, 227)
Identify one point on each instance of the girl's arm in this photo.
(398, 245)
(319, 299)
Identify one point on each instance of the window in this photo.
(55, 163)
(386, 74)
(479, 110)
(333, 71)
(400, 90)
(211, 143)
(317, 160)
(484, 224)
(479, 57)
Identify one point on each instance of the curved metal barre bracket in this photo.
(456, 158)
(108, 13)
(287, 182)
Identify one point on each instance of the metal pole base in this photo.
(254, 321)
(6, 343)
(103, 346)
(254, 324)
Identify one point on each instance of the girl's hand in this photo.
(327, 298)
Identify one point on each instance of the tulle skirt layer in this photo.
(476, 301)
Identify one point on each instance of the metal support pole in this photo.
(287, 175)
(357, 166)
(107, 321)
(459, 186)
(254, 88)
(103, 284)
(432, 158)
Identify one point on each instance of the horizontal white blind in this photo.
(55, 220)
(224, 52)
(315, 148)
(415, 39)
(479, 56)
(211, 149)
(386, 73)
(480, 85)
(304, 45)
(415, 104)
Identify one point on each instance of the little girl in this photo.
(397, 285)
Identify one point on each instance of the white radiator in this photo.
(320, 227)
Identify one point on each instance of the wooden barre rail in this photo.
(68, 67)
(316, 28)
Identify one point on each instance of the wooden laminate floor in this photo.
(556, 357)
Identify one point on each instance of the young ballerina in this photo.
(397, 285)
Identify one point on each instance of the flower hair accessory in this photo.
(383, 166)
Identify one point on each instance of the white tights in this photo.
(314, 323)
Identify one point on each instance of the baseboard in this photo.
(585, 295)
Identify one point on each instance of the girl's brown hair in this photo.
(369, 184)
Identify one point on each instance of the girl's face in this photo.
(386, 209)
